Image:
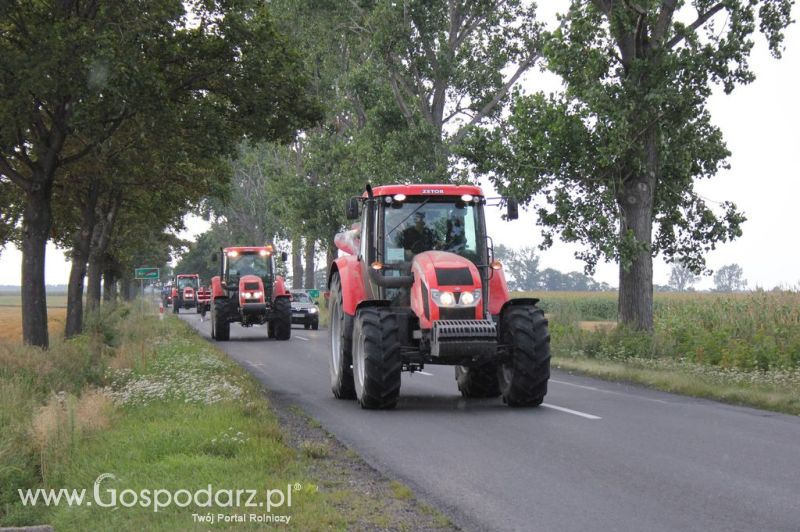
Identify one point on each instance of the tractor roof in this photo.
(426, 190)
(181, 275)
(249, 249)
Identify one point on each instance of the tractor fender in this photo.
(373, 303)
(516, 301)
(498, 292)
(279, 287)
(216, 287)
(352, 281)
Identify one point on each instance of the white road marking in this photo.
(570, 411)
(425, 373)
(257, 365)
(612, 392)
(301, 338)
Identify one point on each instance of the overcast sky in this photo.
(760, 124)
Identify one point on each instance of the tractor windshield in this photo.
(183, 282)
(252, 263)
(424, 224)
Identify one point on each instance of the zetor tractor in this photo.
(184, 291)
(248, 291)
(419, 285)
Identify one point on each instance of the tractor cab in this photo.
(403, 224)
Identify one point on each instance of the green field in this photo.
(742, 347)
(15, 300)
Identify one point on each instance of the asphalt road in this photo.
(595, 456)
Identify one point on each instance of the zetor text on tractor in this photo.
(184, 291)
(419, 285)
(248, 291)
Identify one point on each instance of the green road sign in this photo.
(147, 273)
(313, 293)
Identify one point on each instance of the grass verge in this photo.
(153, 406)
(690, 379)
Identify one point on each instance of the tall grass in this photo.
(747, 331)
(47, 400)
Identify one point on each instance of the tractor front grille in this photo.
(456, 313)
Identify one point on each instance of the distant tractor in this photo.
(248, 291)
(419, 285)
(184, 291)
(166, 295)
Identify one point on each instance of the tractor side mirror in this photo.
(214, 257)
(513, 209)
(284, 256)
(352, 208)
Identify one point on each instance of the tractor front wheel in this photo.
(341, 342)
(523, 377)
(376, 358)
(282, 325)
(220, 326)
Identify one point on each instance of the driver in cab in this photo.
(418, 237)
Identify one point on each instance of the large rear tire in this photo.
(282, 325)
(479, 382)
(523, 377)
(341, 342)
(376, 358)
(220, 325)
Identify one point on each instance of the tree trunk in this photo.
(109, 284)
(80, 256)
(310, 270)
(77, 274)
(97, 254)
(297, 263)
(36, 222)
(636, 205)
(93, 285)
(331, 254)
(126, 289)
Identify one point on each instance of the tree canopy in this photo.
(610, 163)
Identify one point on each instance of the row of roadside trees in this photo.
(412, 90)
(429, 91)
(117, 118)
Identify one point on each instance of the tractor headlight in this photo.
(467, 298)
(443, 299)
(253, 295)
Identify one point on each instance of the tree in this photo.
(614, 158)
(682, 278)
(445, 59)
(521, 267)
(729, 278)
(72, 73)
(197, 258)
(400, 80)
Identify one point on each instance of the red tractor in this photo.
(184, 291)
(248, 291)
(419, 285)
